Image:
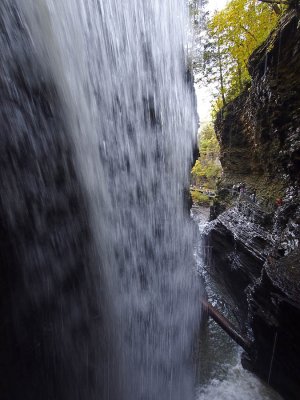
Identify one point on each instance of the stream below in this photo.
(220, 375)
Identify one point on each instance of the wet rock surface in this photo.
(260, 268)
(239, 246)
(50, 321)
(254, 245)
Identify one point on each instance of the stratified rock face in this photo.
(255, 245)
(239, 247)
(259, 265)
(259, 132)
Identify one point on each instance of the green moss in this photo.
(267, 189)
(200, 198)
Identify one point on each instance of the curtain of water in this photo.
(117, 73)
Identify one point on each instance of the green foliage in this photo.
(207, 168)
(199, 197)
(208, 143)
(232, 35)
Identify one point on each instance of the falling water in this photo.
(97, 127)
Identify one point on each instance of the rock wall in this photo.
(255, 244)
(53, 342)
(259, 131)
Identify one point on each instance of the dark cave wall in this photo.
(52, 334)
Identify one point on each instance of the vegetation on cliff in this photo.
(207, 169)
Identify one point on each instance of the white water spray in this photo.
(120, 71)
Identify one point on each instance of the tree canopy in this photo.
(198, 19)
(232, 35)
(207, 168)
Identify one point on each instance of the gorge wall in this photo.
(254, 241)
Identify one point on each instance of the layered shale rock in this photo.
(255, 244)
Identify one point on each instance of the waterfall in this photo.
(97, 128)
